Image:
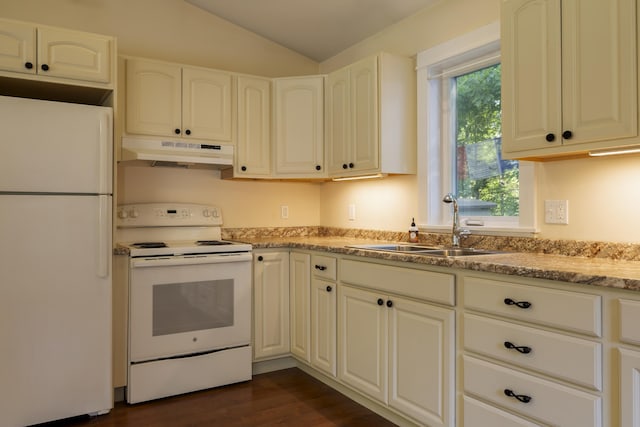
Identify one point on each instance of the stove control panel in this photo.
(167, 215)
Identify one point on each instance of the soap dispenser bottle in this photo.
(413, 232)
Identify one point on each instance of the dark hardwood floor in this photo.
(288, 397)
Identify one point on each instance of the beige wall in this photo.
(604, 198)
(603, 194)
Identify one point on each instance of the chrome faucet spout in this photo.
(456, 231)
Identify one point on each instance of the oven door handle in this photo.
(162, 261)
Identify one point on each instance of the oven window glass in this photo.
(192, 306)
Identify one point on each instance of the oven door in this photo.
(182, 305)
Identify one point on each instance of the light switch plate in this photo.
(556, 211)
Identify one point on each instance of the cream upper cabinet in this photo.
(165, 99)
(299, 127)
(253, 153)
(271, 304)
(53, 52)
(569, 76)
(371, 117)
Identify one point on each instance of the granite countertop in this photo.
(611, 273)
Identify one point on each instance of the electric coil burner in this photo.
(189, 300)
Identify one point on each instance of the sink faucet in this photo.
(456, 231)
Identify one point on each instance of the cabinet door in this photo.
(531, 74)
(421, 356)
(338, 119)
(599, 73)
(323, 326)
(362, 334)
(629, 388)
(299, 126)
(300, 304)
(17, 47)
(153, 98)
(364, 115)
(74, 55)
(206, 104)
(253, 154)
(271, 304)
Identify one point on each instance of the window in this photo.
(459, 134)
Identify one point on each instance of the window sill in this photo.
(483, 230)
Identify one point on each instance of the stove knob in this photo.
(122, 214)
(133, 213)
(206, 213)
(214, 213)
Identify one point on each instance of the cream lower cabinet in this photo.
(324, 314)
(629, 362)
(300, 305)
(395, 349)
(45, 51)
(270, 304)
(532, 351)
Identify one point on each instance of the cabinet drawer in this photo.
(573, 311)
(550, 402)
(629, 321)
(323, 267)
(427, 285)
(572, 359)
(478, 414)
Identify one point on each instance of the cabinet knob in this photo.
(351, 165)
(567, 134)
(44, 67)
(521, 304)
(550, 137)
(344, 166)
(188, 132)
(328, 288)
(318, 167)
(321, 267)
(243, 168)
(520, 349)
(260, 258)
(28, 65)
(177, 131)
(389, 303)
(380, 301)
(521, 397)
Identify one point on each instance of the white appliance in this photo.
(189, 300)
(55, 252)
(168, 152)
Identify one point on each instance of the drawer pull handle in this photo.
(522, 349)
(321, 267)
(521, 397)
(521, 304)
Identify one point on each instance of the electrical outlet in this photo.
(284, 211)
(352, 212)
(556, 211)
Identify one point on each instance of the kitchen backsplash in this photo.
(588, 249)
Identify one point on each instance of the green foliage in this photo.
(481, 175)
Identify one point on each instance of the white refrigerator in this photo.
(55, 260)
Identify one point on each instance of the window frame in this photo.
(479, 46)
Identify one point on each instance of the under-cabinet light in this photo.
(353, 178)
(615, 151)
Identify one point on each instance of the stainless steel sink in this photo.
(424, 250)
(390, 247)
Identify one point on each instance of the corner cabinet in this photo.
(371, 117)
(165, 99)
(270, 304)
(253, 153)
(629, 362)
(569, 76)
(42, 52)
(299, 127)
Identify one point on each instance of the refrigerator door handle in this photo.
(104, 236)
(106, 153)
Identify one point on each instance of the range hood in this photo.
(181, 153)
